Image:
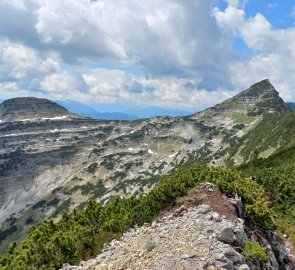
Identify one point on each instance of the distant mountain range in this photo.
(123, 111)
(104, 111)
(87, 111)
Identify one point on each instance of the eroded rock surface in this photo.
(199, 239)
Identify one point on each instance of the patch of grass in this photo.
(264, 136)
(81, 206)
(241, 118)
(23, 223)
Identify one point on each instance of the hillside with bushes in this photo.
(82, 234)
(277, 175)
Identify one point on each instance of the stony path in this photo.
(199, 239)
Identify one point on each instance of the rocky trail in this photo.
(203, 233)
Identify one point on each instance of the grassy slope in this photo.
(273, 132)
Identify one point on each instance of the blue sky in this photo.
(178, 55)
(279, 13)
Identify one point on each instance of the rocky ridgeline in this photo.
(193, 238)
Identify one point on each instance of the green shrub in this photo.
(253, 252)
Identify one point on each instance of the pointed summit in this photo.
(259, 90)
(259, 98)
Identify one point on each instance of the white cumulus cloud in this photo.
(169, 92)
(18, 61)
(273, 50)
(181, 51)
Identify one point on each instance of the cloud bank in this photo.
(166, 53)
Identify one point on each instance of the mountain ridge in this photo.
(87, 111)
(255, 97)
(31, 108)
(63, 163)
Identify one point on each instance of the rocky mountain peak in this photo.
(259, 98)
(260, 90)
(19, 109)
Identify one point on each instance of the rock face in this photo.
(260, 98)
(52, 160)
(197, 238)
(17, 109)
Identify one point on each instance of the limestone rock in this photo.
(183, 241)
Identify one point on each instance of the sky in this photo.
(173, 54)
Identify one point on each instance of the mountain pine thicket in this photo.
(277, 175)
(82, 234)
